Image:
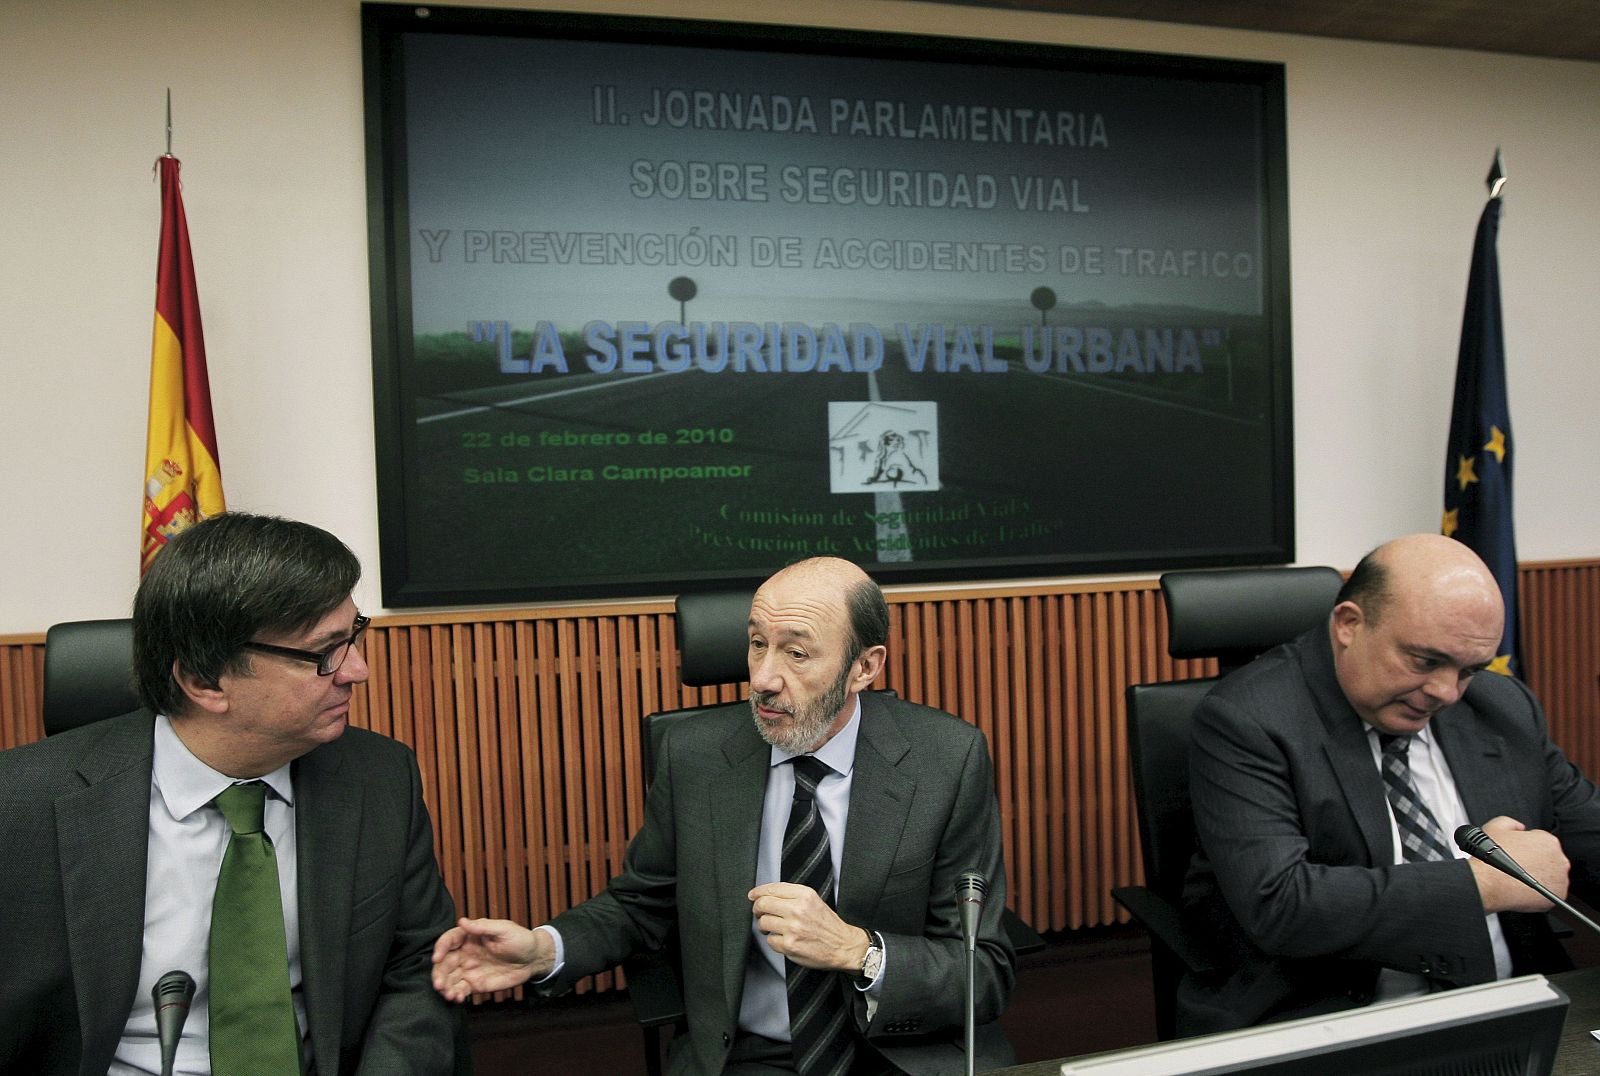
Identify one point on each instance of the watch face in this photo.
(871, 962)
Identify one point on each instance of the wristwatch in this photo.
(872, 962)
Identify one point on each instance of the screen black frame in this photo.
(383, 26)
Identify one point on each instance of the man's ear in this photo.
(868, 666)
(209, 697)
(1347, 617)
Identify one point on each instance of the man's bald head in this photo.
(1417, 619)
(1419, 563)
(834, 579)
(817, 631)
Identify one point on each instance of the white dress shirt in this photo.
(188, 837)
(1437, 787)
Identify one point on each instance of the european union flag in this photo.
(1477, 471)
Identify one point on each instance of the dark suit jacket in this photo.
(922, 810)
(74, 820)
(1295, 875)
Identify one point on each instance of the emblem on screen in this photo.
(876, 447)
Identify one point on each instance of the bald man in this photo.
(869, 955)
(1326, 884)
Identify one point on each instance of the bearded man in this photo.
(809, 859)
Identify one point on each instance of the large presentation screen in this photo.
(660, 304)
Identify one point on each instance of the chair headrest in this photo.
(713, 637)
(1235, 614)
(88, 673)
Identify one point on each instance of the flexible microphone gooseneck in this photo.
(172, 994)
(1479, 845)
(970, 891)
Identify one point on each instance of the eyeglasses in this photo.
(327, 661)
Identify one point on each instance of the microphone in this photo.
(970, 891)
(171, 994)
(1479, 845)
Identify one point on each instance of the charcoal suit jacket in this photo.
(1295, 878)
(74, 822)
(922, 811)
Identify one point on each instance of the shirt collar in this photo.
(187, 784)
(1424, 735)
(839, 753)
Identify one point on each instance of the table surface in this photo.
(1578, 1055)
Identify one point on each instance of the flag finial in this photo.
(169, 121)
(1495, 180)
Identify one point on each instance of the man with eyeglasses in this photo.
(236, 829)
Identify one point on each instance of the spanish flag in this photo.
(182, 471)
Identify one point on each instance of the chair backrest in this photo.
(712, 637)
(712, 644)
(1158, 742)
(1233, 615)
(88, 673)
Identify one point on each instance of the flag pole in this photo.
(182, 467)
(1481, 451)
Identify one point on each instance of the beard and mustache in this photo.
(808, 721)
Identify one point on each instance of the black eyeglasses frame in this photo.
(322, 659)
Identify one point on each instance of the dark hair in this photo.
(869, 618)
(223, 582)
(1368, 587)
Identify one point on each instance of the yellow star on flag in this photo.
(1452, 521)
(1501, 665)
(1464, 472)
(1497, 444)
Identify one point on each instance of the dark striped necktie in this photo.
(1421, 839)
(819, 1020)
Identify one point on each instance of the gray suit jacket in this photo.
(922, 810)
(74, 820)
(1295, 875)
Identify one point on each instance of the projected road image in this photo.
(608, 475)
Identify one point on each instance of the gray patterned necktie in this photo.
(1421, 839)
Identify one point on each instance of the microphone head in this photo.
(175, 986)
(1474, 841)
(971, 886)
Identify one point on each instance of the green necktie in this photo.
(252, 1023)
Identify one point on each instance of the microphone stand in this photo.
(970, 891)
(971, 1015)
(1478, 844)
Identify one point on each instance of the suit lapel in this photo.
(1347, 749)
(327, 828)
(1476, 764)
(736, 808)
(103, 836)
(880, 802)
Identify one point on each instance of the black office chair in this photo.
(711, 651)
(1233, 616)
(88, 673)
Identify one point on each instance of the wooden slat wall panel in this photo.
(1561, 648)
(526, 724)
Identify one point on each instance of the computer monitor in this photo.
(1508, 1028)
